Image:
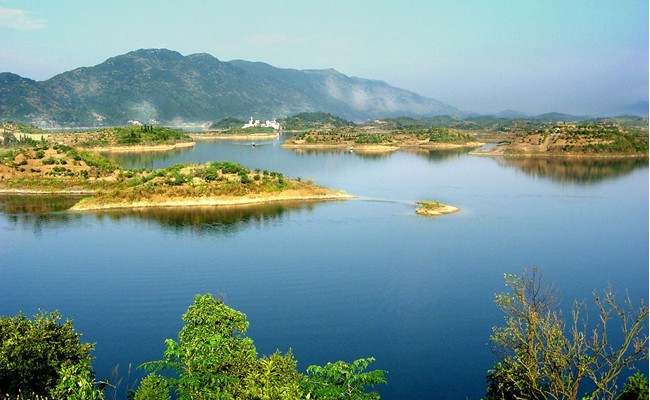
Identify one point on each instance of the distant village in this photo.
(257, 124)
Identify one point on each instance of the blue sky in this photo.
(483, 55)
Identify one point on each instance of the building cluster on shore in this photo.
(266, 124)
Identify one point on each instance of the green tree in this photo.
(341, 380)
(213, 359)
(636, 388)
(546, 357)
(35, 355)
(152, 387)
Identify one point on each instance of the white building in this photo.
(256, 123)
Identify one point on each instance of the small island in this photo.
(605, 138)
(374, 138)
(28, 166)
(434, 208)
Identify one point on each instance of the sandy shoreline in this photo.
(79, 192)
(136, 149)
(359, 148)
(221, 136)
(501, 153)
(442, 209)
(378, 148)
(213, 201)
(448, 146)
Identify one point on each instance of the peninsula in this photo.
(38, 167)
(126, 139)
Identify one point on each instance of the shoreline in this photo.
(501, 154)
(448, 146)
(212, 201)
(140, 148)
(66, 192)
(221, 136)
(379, 148)
(426, 210)
(358, 148)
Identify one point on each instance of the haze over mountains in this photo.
(164, 87)
(169, 88)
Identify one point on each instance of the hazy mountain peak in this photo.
(161, 84)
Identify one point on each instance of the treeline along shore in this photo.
(72, 164)
(36, 161)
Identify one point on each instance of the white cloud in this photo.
(19, 19)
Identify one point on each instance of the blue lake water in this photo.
(336, 280)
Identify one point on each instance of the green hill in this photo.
(158, 86)
(313, 120)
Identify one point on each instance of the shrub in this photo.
(49, 161)
(35, 355)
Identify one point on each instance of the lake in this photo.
(336, 280)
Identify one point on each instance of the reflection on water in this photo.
(441, 154)
(12, 204)
(210, 220)
(38, 211)
(575, 170)
(145, 159)
(361, 154)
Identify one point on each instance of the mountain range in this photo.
(164, 87)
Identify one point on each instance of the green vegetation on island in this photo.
(59, 168)
(125, 136)
(313, 120)
(375, 138)
(227, 123)
(605, 138)
(543, 356)
(434, 208)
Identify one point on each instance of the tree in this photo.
(636, 388)
(213, 359)
(544, 357)
(342, 380)
(152, 387)
(37, 356)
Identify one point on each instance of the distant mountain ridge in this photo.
(166, 87)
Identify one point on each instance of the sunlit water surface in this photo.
(335, 280)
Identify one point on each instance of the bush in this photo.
(636, 388)
(34, 355)
(153, 387)
(49, 161)
(543, 359)
(213, 359)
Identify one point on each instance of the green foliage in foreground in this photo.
(214, 359)
(44, 358)
(636, 388)
(546, 357)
